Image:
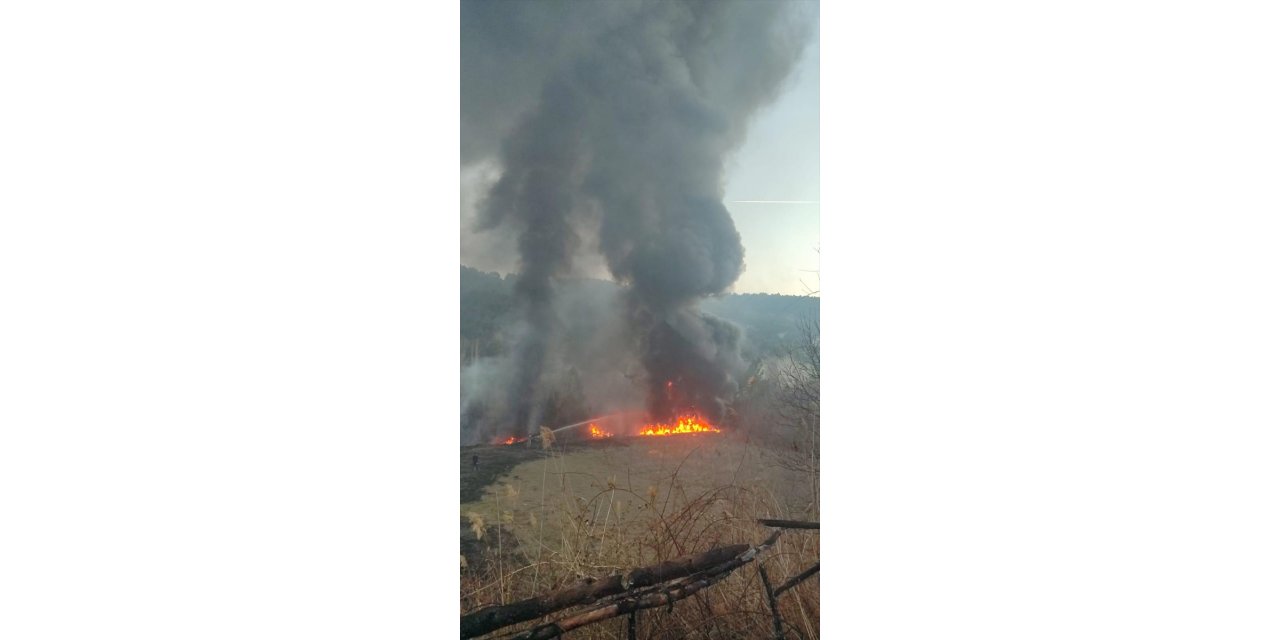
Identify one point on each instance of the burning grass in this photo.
(688, 424)
(685, 424)
(592, 511)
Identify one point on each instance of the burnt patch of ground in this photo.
(479, 552)
(493, 461)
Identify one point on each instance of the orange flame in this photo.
(687, 424)
(508, 440)
(597, 432)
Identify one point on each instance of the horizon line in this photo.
(776, 201)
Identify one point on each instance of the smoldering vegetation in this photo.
(610, 125)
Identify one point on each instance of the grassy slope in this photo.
(604, 507)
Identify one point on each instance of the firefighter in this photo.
(475, 461)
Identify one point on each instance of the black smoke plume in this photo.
(622, 141)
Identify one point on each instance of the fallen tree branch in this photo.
(797, 579)
(591, 590)
(788, 524)
(667, 596)
(622, 607)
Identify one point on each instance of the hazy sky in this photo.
(777, 167)
(779, 161)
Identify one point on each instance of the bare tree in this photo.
(798, 404)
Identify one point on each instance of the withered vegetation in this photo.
(597, 511)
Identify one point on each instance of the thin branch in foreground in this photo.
(797, 579)
(788, 524)
(773, 603)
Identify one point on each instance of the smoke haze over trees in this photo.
(771, 326)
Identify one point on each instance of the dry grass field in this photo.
(547, 518)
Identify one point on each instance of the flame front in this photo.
(687, 424)
(597, 432)
(508, 440)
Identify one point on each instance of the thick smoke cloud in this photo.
(615, 120)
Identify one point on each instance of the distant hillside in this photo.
(486, 303)
(769, 320)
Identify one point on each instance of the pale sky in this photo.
(779, 162)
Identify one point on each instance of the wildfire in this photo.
(597, 432)
(508, 440)
(687, 424)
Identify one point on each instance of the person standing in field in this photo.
(475, 461)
